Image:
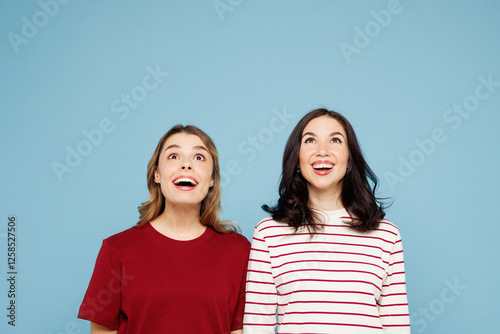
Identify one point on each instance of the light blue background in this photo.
(229, 73)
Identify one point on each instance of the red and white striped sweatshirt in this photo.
(338, 281)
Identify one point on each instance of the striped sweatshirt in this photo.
(338, 281)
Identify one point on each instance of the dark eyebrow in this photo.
(314, 135)
(309, 133)
(336, 133)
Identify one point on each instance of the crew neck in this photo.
(334, 215)
(169, 242)
(341, 212)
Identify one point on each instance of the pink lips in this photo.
(185, 178)
(184, 188)
(323, 171)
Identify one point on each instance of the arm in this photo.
(393, 303)
(239, 331)
(261, 294)
(98, 329)
(106, 281)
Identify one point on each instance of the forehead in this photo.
(324, 125)
(185, 141)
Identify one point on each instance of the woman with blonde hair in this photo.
(180, 269)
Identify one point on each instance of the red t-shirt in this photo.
(147, 283)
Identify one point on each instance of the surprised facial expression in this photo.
(184, 170)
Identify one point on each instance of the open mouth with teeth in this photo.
(322, 168)
(185, 183)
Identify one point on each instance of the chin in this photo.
(321, 188)
(187, 203)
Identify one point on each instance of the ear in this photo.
(211, 183)
(157, 176)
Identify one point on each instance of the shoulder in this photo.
(388, 228)
(269, 223)
(126, 237)
(233, 247)
(265, 223)
(233, 240)
(269, 227)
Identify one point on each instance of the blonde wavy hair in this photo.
(210, 206)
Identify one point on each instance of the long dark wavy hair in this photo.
(358, 196)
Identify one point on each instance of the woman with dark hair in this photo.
(180, 269)
(326, 259)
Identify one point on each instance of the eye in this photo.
(173, 156)
(309, 140)
(336, 140)
(199, 157)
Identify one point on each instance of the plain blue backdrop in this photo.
(89, 87)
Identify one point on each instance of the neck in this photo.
(325, 200)
(179, 222)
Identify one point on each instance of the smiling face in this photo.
(323, 156)
(184, 171)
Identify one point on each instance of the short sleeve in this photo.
(240, 306)
(101, 304)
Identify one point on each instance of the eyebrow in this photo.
(314, 135)
(194, 147)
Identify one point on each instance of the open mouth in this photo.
(322, 167)
(185, 182)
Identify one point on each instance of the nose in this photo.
(322, 149)
(186, 165)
